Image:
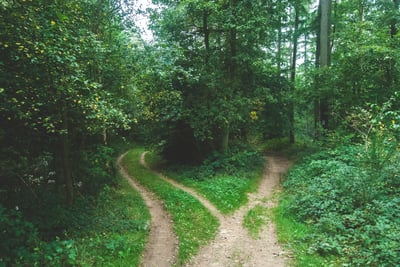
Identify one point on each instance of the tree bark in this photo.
(293, 74)
(393, 24)
(206, 32)
(225, 138)
(323, 57)
(279, 43)
(69, 189)
(325, 27)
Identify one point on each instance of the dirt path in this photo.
(232, 245)
(162, 243)
(214, 211)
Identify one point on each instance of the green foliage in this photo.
(116, 231)
(193, 224)
(255, 219)
(236, 162)
(351, 204)
(216, 61)
(223, 178)
(97, 169)
(18, 236)
(60, 92)
(108, 229)
(298, 238)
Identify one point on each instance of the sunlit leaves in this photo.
(51, 54)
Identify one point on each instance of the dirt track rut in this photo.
(232, 245)
(162, 243)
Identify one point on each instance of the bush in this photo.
(352, 205)
(18, 237)
(236, 163)
(96, 169)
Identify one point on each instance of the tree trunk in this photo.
(206, 32)
(69, 189)
(279, 43)
(323, 57)
(293, 75)
(324, 40)
(225, 138)
(393, 26)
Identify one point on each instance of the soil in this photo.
(162, 243)
(232, 245)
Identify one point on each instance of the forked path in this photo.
(232, 245)
(162, 243)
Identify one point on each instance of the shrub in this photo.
(352, 206)
(18, 237)
(234, 163)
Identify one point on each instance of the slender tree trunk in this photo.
(293, 75)
(69, 189)
(225, 138)
(317, 98)
(231, 72)
(279, 43)
(325, 26)
(206, 31)
(323, 55)
(105, 137)
(393, 26)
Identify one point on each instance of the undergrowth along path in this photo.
(161, 248)
(214, 211)
(233, 246)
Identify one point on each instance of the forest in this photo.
(216, 86)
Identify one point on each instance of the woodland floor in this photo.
(232, 246)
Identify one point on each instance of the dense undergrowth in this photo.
(106, 226)
(194, 225)
(222, 179)
(103, 231)
(342, 205)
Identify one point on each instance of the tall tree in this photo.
(293, 69)
(55, 85)
(323, 57)
(219, 66)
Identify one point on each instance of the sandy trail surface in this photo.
(233, 246)
(162, 243)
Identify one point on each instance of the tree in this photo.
(55, 85)
(218, 66)
(323, 61)
(293, 69)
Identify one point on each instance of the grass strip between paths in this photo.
(193, 224)
(226, 192)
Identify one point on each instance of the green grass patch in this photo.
(223, 180)
(193, 223)
(255, 219)
(227, 193)
(118, 232)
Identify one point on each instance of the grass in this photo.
(118, 232)
(255, 219)
(193, 224)
(226, 192)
